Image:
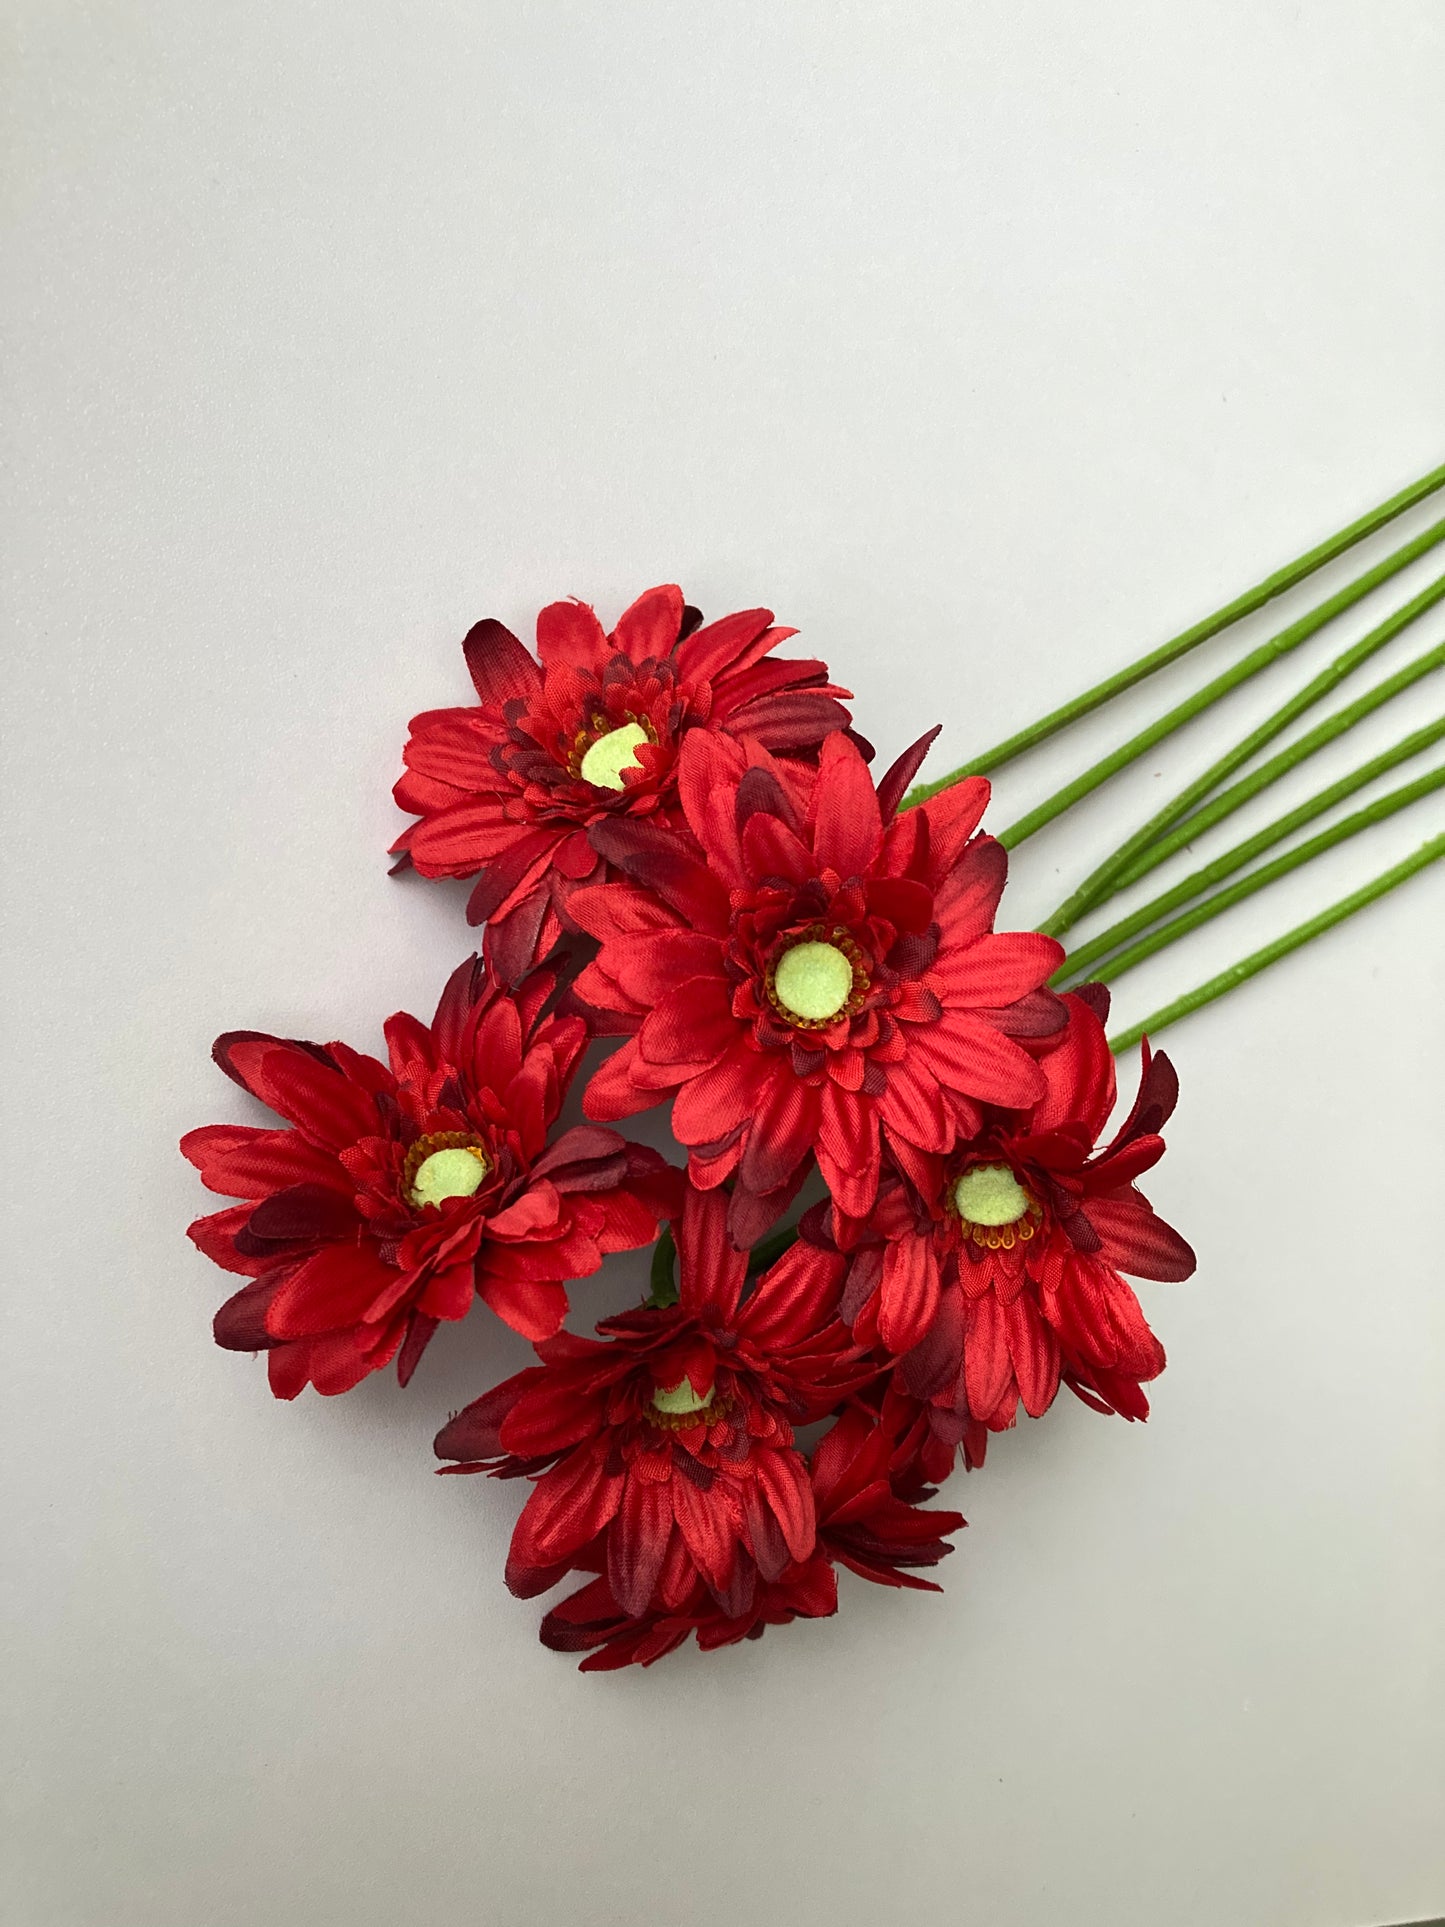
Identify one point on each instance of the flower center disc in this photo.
(605, 760)
(990, 1194)
(456, 1173)
(680, 1399)
(813, 981)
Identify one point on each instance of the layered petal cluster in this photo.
(586, 731)
(862, 1523)
(663, 1450)
(822, 975)
(995, 1271)
(399, 1192)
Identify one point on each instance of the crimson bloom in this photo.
(996, 1270)
(663, 1449)
(508, 789)
(400, 1193)
(824, 973)
(862, 1523)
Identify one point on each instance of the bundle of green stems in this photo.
(1219, 791)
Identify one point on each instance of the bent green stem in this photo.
(1268, 873)
(1233, 798)
(1080, 962)
(1250, 665)
(1304, 933)
(1101, 882)
(1276, 584)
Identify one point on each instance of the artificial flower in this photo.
(862, 1523)
(663, 1450)
(508, 789)
(401, 1192)
(822, 974)
(996, 1269)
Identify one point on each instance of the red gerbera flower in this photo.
(663, 1450)
(996, 1269)
(401, 1194)
(862, 1524)
(823, 974)
(510, 787)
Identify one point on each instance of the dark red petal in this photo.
(637, 1542)
(500, 668)
(894, 784)
(304, 1212)
(240, 1324)
(504, 877)
(1139, 1242)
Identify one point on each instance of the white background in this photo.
(988, 341)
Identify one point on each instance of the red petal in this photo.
(987, 1366)
(569, 632)
(1035, 1354)
(533, 1308)
(712, 1273)
(571, 1505)
(784, 1480)
(953, 816)
(331, 1289)
(847, 826)
(910, 1293)
(968, 1056)
(726, 645)
(649, 627)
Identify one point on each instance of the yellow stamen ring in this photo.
(818, 979)
(608, 755)
(448, 1164)
(996, 1210)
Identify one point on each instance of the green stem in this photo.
(1077, 966)
(1101, 882)
(1267, 873)
(664, 1271)
(1250, 665)
(768, 1251)
(1228, 801)
(1281, 947)
(1273, 585)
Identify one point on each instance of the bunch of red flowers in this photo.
(677, 840)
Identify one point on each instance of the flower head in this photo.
(402, 1191)
(862, 1523)
(823, 974)
(995, 1269)
(663, 1449)
(508, 789)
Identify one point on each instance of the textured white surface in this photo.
(988, 344)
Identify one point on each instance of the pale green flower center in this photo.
(680, 1399)
(604, 761)
(990, 1194)
(448, 1174)
(813, 981)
